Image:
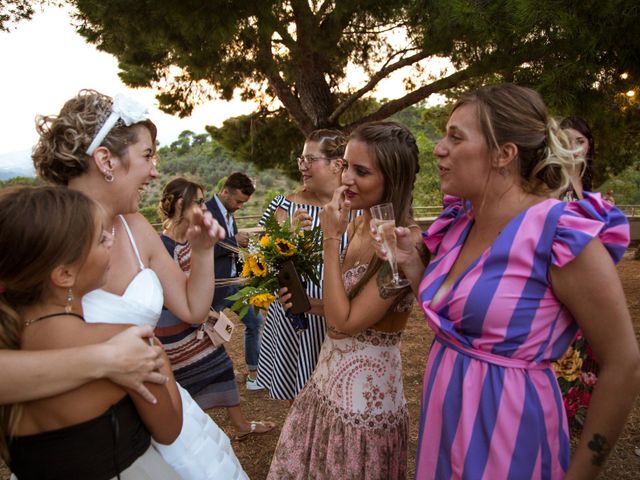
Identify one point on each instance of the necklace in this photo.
(57, 314)
(361, 242)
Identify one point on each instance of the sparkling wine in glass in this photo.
(383, 219)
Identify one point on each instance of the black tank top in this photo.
(97, 449)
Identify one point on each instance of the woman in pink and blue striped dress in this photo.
(513, 273)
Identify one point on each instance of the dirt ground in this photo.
(255, 451)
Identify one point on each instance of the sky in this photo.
(45, 62)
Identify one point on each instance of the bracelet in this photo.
(331, 238)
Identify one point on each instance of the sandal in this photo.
(268, 426)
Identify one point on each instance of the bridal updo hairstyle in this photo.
(512, 114)
(60, 153)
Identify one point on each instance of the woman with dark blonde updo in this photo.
(53, 250)
(513, 273)
(106, 149)
(287, 356)
(203, 368)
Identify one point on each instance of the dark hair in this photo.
(239, 181)
(176, 189)
(332, 142)
(42, 228)
(60, 153)
(581, 126)
(394, 150)
(513, 114)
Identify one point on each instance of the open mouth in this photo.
(349, 194)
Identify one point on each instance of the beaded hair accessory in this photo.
(124, 108)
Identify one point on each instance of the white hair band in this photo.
(124, 108)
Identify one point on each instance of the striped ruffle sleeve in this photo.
(584, 220)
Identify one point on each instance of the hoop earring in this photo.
(68, 307)
(108, 176)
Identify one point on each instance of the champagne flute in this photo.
(383, 219)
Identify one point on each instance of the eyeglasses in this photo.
(307, 160)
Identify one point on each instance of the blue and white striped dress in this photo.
(287, 358)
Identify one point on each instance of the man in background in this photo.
(235, 192)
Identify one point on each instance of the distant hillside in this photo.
(205, 161)
(16, 164)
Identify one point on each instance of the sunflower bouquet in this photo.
(264, 257)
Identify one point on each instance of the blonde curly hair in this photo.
(60, 153)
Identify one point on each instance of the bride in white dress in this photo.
(105, 148)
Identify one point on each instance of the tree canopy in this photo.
(298, 55)
(298, 51)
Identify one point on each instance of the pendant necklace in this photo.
(359, 254)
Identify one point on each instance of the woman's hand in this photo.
(204, 231)
(334, 216)
(411, 256)
(406, 252)
(302, 219)
(130, 359)
(283, 297)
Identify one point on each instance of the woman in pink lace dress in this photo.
(350, 420)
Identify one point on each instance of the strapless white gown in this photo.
(202, 450)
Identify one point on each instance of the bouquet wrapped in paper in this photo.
(264, 258)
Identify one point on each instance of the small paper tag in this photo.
(220, 332)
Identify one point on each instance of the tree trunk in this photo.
(314, 93)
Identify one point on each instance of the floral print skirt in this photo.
(350, 421)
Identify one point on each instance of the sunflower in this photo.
(285, 247)
(262, 300)
(246, 269)
(258, 265)
(265, 241)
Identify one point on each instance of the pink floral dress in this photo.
(350, 420)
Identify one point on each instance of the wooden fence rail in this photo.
(426, 214)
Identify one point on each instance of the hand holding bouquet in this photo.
(263, 259)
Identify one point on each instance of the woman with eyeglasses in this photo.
(288, 357)
(204, 369)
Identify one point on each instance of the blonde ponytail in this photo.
(552, 173)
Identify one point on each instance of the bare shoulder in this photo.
(67, 331)
(146, 237)
(139, 225)
(304, 197)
